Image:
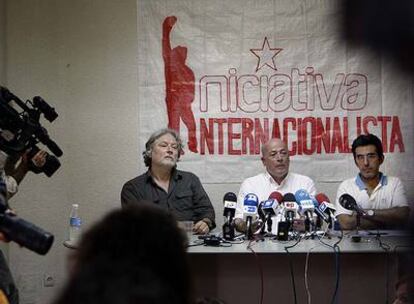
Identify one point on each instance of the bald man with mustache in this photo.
(275, 159)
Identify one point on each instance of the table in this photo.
(368, 272)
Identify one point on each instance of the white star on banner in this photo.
(266, 55)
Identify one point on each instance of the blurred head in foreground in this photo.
(133, 255)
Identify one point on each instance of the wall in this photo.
(81, 57)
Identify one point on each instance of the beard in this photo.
(169, 162)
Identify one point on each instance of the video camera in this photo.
(21, 231)
(21, 131)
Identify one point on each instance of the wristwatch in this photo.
(370, 212)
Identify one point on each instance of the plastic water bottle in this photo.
(74, 224)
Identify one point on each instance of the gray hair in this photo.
(154, 136)
(264, 146)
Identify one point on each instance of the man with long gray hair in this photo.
(179, 192)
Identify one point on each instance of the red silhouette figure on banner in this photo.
(180, 85)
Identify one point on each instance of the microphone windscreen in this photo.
(251, 199)
(301, 194)
(289, 197)
(321, 198)
(276, 196)
(348, 202)
(230, 197)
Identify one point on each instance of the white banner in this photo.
(231, 74)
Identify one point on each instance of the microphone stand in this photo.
(310, 230)
(331, 224)
(290, 219)
(262, 230)
(249, 232)
(267, 221)
(315, 225)
(228, 229)
(357, 237)
(269, 224)
(307, 224)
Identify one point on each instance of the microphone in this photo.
(271, 208)
(291, 208)
(250, 204)
(304, 200)
(267, 209)
(349, 203)
(230, 202)
(275, 195)
(271, 205)
(326, 207)
(321, 214)
(306, 206)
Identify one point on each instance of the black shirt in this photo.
(186, 198)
